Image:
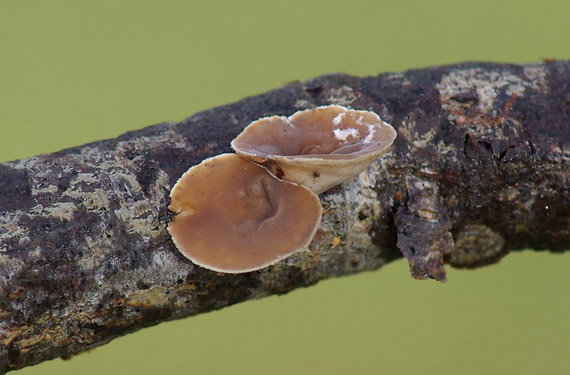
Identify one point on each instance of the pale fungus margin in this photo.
(318, 148)
(244, 212)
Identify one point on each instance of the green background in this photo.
(76, 71)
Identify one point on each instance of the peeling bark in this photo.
(423, 228)
(481, 166)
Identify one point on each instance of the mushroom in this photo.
(318, 148)
(233, 216)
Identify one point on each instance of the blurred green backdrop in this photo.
(76, 71)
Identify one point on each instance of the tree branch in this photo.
(481, 166)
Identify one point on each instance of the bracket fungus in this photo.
(318, 148)
(233, 216)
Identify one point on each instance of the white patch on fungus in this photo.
(337, 120)
(370, 136)
(343, 134)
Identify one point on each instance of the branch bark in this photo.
(481, 166)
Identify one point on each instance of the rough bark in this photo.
(481, 166)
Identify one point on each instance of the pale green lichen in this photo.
(304, 104)
(486, 84)
(475, 244)
(121, 199)
(343, 96)
(463, 88)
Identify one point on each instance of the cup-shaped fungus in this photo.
(233, 216)
(318, 148)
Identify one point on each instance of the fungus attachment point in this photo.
(233, 216)
(318, 148)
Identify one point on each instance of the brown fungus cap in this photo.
(233, 216)
(318, 148)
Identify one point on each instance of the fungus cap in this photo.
(318, 148)
(233, 216)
